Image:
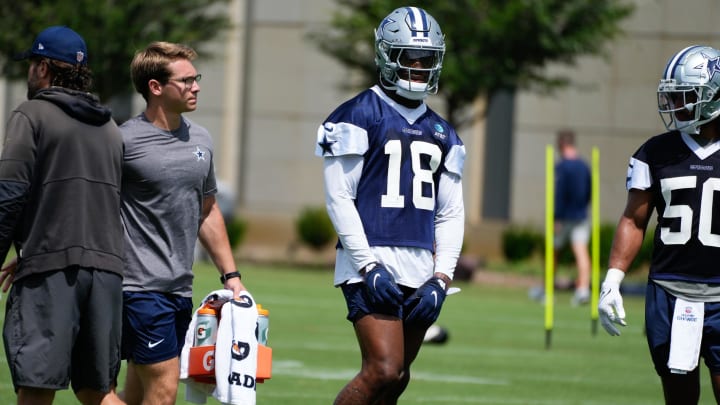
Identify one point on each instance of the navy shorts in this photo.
(64, 327)
(154, 326)
(359, 304)
(659, 308)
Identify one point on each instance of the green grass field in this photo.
(496, 353)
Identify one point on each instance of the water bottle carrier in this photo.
(201, 365)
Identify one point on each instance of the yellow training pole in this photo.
(595, 208)
(549, 245)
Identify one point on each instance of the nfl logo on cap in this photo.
(59, 43)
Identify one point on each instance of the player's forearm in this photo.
(630, 231)
(349, 229)
(448, 247)
(213, 236)
(626, 244)
(341, 176)
(449, 225)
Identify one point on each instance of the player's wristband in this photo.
(614, 275)
(227, 276)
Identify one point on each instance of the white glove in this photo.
(610, 306)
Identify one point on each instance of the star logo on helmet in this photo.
(713, 66)
(385, 22)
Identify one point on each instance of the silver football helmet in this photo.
(409, 50)
(689, 90)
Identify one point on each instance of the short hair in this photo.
(152, 63)
(565, 137)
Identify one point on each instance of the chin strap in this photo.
(404, 88)
(411, 95)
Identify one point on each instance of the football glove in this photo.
(381, 286)
(610, 307)
(425, 303)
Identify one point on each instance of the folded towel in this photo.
(235, 357)
(686, 336)
(195, 391)
(236, 352)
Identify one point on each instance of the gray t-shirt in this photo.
(166, 176)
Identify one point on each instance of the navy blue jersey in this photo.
(404, 155)
(572, 189)
(684, 179)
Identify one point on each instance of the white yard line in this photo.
(298, 369)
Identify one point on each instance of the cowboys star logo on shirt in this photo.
(199, 154)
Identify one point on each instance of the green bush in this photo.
(314, 227)
(607, 233)
(519, 243)
(565, 255)
(236, 230)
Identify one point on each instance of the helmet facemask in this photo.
(414, 71)
(677, 106)
(688, 95)
(409, 53)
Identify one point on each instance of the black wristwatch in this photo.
(227, 276)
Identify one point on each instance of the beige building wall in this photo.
(612, 105)
(277, 88)
(268, 88)
(287, 89)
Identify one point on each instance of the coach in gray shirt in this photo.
(168, 201)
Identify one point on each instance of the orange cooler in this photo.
(202, 363)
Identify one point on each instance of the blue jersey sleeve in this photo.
(344, 132)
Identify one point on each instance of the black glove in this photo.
(381, 287)
(425, 303)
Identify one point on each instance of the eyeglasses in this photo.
(189, 81)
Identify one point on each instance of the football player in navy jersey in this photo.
(392, 174)
(677, 174)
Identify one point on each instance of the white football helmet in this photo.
(409, 50)
(689, 90)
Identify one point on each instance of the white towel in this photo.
(197, 392)
(236, 352)
(686, 336)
